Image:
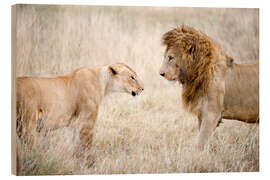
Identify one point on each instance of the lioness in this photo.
(214, 87)
(50, 103)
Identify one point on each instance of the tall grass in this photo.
(151, 134)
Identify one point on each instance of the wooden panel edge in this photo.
(13, 90)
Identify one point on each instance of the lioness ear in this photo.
(112, 70)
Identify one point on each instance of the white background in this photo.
(5, 84)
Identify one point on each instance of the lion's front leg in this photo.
(211, 112)
(209, 123)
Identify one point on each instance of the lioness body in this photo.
(50, 103)
(57, 99)
(214, 87)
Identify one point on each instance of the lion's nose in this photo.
(162, 74)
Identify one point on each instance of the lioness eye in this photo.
(170, 58)
(132, 77)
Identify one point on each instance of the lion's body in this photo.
(241, 101)
(214, 87)
(50, 103)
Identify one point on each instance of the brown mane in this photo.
(196, 53)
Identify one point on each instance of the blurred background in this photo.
(151, 134)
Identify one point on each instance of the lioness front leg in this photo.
(86, 137)
(209, 123)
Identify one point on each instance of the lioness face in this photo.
(124, 79)
(170, 66)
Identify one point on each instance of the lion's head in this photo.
(124, 79)
(190, 58)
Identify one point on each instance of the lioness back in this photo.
(241, 99)
(46, 98)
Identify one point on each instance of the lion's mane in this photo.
(197, 54)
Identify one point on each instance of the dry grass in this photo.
(150, 134)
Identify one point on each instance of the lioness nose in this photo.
(162, 74)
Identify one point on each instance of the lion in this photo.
(213, 86)
(50, 103)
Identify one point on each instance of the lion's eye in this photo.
(170, 58)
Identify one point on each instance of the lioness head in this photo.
(124, 79)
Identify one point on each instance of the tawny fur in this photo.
(214, 87)
(50, 103)
(241, 101)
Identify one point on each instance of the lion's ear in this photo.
(191, 45)
(191, 48)
(112, 70)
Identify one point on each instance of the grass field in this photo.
(148, 134)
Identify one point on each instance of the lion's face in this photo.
(170, 66)
(124, 79)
